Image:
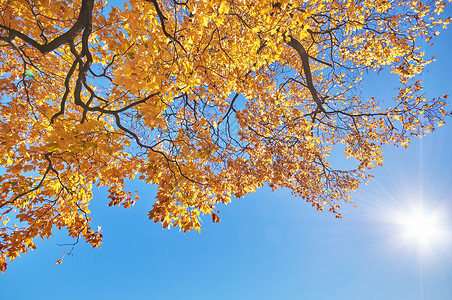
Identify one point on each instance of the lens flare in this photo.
(421, 226)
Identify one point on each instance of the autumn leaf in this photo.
(215, 218)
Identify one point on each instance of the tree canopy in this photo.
(207, 99)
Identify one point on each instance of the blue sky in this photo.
(270, 245)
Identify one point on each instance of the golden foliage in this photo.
(208, 99)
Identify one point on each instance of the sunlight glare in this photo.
(421, 226)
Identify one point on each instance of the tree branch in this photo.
(307, 71)
(83, 21)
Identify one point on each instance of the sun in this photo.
(421, 226)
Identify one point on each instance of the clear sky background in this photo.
(271, 245)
